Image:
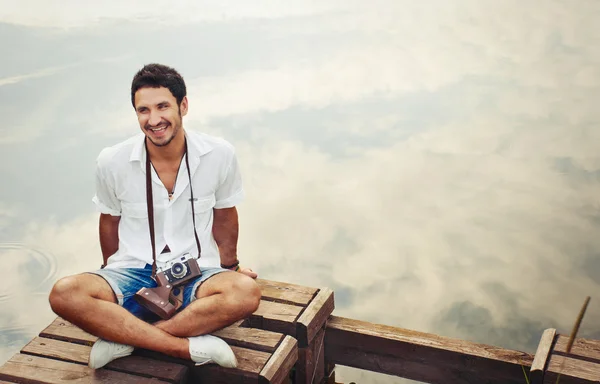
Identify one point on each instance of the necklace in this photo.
(176, 175)
(172, 192)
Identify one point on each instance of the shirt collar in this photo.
(196, 147)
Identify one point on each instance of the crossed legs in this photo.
(88, 301)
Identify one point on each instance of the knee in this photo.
(245, 296)
(63, 291)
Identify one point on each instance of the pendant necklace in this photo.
(176, 175)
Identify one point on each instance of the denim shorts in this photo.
(125, 282)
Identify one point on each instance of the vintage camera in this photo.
(161, 300)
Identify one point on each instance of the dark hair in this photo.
(156, 76)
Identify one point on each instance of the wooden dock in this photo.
(293, 337)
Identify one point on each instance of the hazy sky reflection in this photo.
(435, 163)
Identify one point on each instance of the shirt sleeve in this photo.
(230, 192)
(105, 199)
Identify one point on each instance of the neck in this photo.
(171, 152)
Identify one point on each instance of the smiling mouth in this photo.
(158, 129)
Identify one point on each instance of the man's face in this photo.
(159, 115)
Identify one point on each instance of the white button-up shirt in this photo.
(121, 191)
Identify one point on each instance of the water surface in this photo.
(436, 164)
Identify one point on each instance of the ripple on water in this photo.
(21, 320)
(25, 269)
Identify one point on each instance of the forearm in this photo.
(225, 231)
(109, 235)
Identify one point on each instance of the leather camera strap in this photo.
(150, 207)
(187, 165)
(150, 204)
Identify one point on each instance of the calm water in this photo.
(436, 164)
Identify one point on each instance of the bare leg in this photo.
(221, 301)
(87, 301)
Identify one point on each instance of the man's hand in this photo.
(248, 272)
(225, 231)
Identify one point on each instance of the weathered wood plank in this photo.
(276, 370)
(215, 375)
(408, 353)
(143, 366)
(276, 317)
(583, 348)
(78, 353)
(250, 360)
(310, 367)
(62, 350)
(250, 364)
(314, 316)
(542, 356)
(27, 369)
(286, 293)
(406, 368)
(251, 338)
(60, 329)
(572, 371)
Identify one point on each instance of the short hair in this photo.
(156, 76)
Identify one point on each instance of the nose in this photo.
(155, 118)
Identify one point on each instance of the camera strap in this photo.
(150, 203)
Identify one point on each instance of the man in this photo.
(187, 168)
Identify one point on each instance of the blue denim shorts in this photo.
(125, 282)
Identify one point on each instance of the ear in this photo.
(183, 107)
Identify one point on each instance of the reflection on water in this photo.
(28, 270)
(27, 274)
(23, 317)
(435, 163)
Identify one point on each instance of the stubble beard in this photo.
(168, 141)
(176, 129)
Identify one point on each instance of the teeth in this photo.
(157, 129)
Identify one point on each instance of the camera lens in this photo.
(178, 270)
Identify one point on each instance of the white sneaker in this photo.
(103, 352)
(208, 348)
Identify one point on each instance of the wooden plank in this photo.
(572, 371)
(143, 366)
(251, 338)
(414, 369)
(275, 317)
(249, 361)
(286, 293)
(542, 356)
(412, 354)
(214, 375)
(27, 369)
(313, 318)
(277, 369)
(310, 367)
(78, 353)
(250, 364)
(408, 369)
(61, 329)
(583, 348)
(62, 350)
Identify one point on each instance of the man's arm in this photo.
(225, 231)
(109, 235)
